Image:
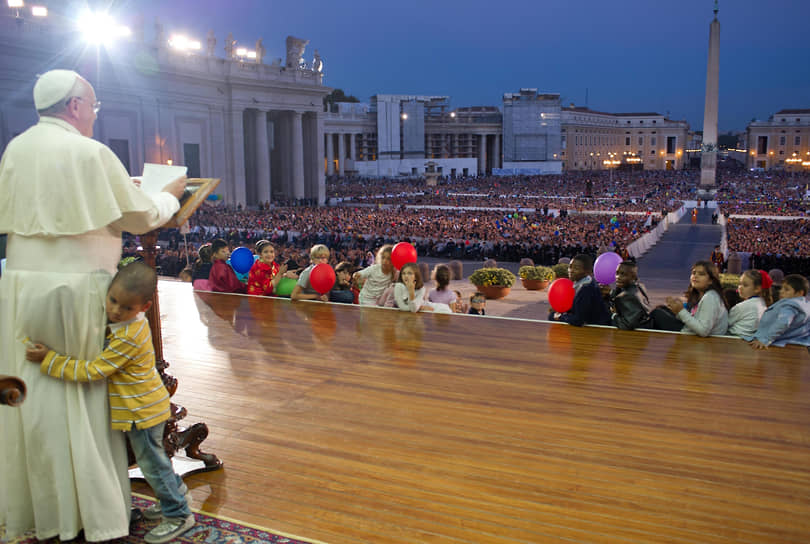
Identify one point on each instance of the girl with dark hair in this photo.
(755, 291)
(201, 268)
(409, 290)
(704, 312)
(441, 293)
(265, 272)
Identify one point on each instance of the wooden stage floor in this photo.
(346, 424)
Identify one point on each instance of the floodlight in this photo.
(39, 11)
(100, 28)
(15, 3)
(182, 43)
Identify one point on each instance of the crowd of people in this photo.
(706, 309)
(782, 244)
(577, 191)
(457, 234)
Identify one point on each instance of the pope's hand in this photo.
(176, 187)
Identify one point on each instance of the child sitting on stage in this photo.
(787, 321)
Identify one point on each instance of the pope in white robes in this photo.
(66, 200)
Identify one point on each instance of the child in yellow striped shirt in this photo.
(139, 402)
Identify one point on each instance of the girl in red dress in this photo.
(265, 273)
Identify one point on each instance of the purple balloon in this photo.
(604, 270)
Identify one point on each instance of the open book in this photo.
(156, 176)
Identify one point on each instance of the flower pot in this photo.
(534, 285)
(493, 292)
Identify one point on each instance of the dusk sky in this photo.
(628, 55)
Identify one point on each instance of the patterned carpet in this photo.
(208, 528)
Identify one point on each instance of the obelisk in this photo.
(708, 155)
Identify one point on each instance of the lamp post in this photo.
(610, 164)
(794, 161)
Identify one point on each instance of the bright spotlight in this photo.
(101, 29)
(241, 52)
(183, 43)
(39, 11)
(15, 3)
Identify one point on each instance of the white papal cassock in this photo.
(64, 201)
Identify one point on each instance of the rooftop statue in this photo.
(317, 63)
(230, 46)
(160, 36)
(211, 42)
(260, 51)
(295, 51)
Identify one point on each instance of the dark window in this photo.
(121, 150)
(797, 140)
(762, 145)
(671, 143)
(781, 140)
(627, 140)
(191, 157)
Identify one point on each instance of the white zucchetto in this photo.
(53, 86)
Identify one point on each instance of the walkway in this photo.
(668, 264)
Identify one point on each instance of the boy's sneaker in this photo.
(169, 529)
(154, 512)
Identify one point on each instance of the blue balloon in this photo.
(211, 197)
(241, 260)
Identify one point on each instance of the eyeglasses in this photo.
(95, 105)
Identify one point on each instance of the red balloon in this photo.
(322, 278)
(402, 254)
(561, 295)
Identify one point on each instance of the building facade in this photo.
(533, 135)
(594, 140)
(258, 127)
(783, 141)
(531, 132)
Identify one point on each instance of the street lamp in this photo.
(610, 164)
(794, 161)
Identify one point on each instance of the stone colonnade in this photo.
(345, 144)
(282, 156)
(342, 147)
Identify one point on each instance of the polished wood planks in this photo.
(348, 424)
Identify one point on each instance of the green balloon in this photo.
(285, 287)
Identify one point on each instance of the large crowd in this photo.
(578, 191)
(510, 218)
(764, 194)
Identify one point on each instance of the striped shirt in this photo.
(136, 391)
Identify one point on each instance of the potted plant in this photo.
(493, 282)
(535, 278)
(560, 270)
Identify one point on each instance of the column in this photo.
(482, 155)
(297, 146)
(352, 148)
(330, 155)
(341, 154)
(236, 149)
(262, 158)
(496, 157)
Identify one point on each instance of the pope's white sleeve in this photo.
(165, 205)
